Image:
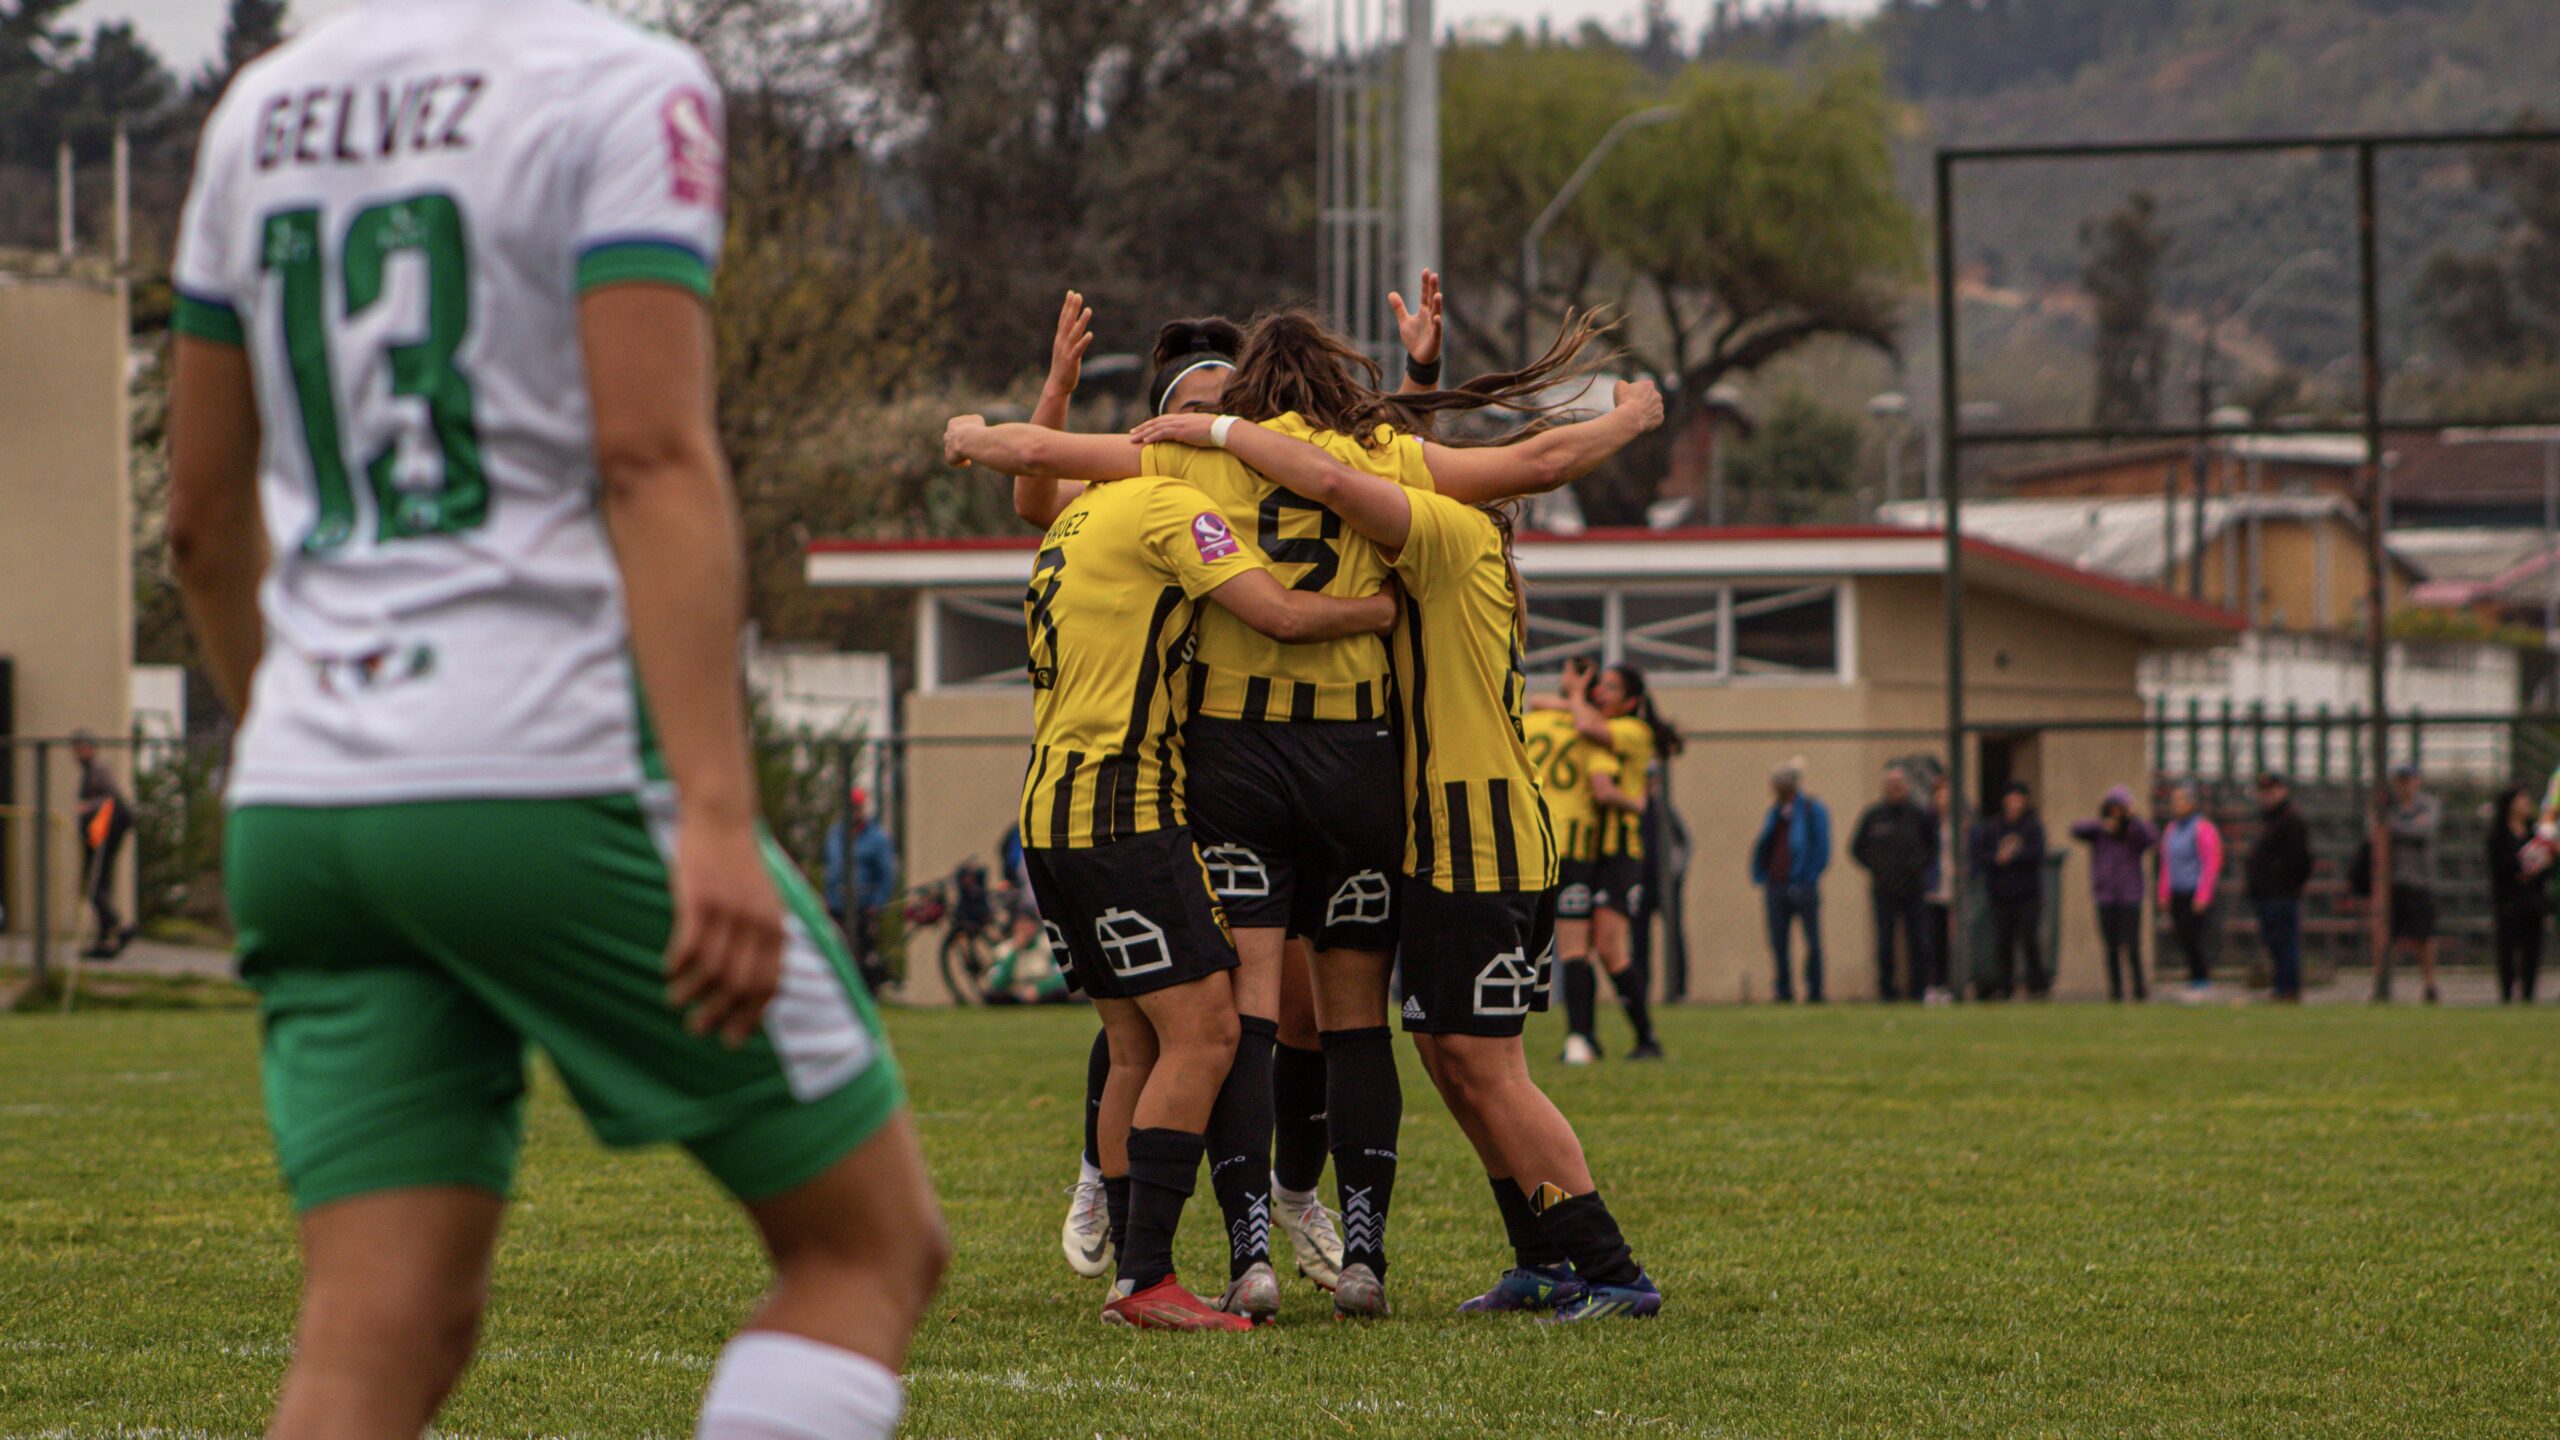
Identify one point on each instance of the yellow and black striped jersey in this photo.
(1622, 831)
(1243, 674)
(1565, 762)
(1477, 822)
(1110, 617)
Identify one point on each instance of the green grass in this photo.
(2064, 1221)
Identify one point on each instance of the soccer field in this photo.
(2035, 1221)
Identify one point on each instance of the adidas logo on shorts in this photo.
(1413, 1008)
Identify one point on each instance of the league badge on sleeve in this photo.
(1209, 532)
(696, 156)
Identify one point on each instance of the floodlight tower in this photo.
(1378, 164)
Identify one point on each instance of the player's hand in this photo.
(1393, 594)
(1420, 326)
(1644, 399)
(1577, 677)
(1189, 428)
(955, 437)
(724, 961)
(1067, 350)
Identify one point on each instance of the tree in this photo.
(2500, 307)
(1798, 465)
(251, 29)
(113, 80)
(1152, 153)
(2122, 275)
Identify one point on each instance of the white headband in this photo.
(1185, 373)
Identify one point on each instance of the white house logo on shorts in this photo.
(1574, 900)
(1364, 899)
(1235, 872)
(1058, 950)
(696, 158)
(1506, 986)
(1132, 943)
(1210, 534)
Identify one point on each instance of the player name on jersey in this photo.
(358, 124)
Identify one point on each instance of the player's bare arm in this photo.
(1483, 474)
(1606, 792)
(1421, 330)
(217, 541)
(1301, 617)
(667, 504)
(1588, 719)
(1029, 450)
(1370, 504)
(1040, 499)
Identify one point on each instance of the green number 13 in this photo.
(430, 224)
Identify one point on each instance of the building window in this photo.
(1675, 634)
(1792, 631)
(977, 639)
(1690, 634)
(1565, 625)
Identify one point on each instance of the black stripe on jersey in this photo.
(1172, 727)
(1257, 699)
(1062, 812)
(1424, 838)
(1462, 836)
(1031, 791)
(1124, 810)
(1506, 844)
(1547, 834)
(1302, 702)
(1360, 702)
(1110, 785)
(1196, 675)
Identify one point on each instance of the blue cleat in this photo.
(1526, 1288)
(1639, 1301)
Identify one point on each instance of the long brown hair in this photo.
(1292, 362)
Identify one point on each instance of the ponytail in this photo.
(1666, 736)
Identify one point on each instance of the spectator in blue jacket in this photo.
(1787, 862)
(862, 877)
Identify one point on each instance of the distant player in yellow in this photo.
(1614, 718)
(1112, 623)
(1479, 873)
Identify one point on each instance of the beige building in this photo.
(66, 584)
(1760, 645)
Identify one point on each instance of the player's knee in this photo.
(423, 1334)
(1475, 1074)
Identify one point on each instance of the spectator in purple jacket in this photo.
(2117, 841)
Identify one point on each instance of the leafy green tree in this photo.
(1800, 464)
(114, 79)
(250, 29)
(2122, 278)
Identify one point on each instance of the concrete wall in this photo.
(66, 583)
(962, 789)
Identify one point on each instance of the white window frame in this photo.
(1718, 596)
(989, 605)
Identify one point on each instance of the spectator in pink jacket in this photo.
(2190, 869)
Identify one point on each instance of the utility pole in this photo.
(1421, 143)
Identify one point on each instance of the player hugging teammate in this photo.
(1287, 755)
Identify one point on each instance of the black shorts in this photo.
(2413, 913)
(1575, 880)
(1132, 917)
(1617, 883)
(1301, 824)
(1474, 964)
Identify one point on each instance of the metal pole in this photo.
(62, 196)
(2551, 545)
(1951, 490)
(123, 197)
(44, 861)
(2203, 462)
(2257, 542)
(2377, 501)
(1421, 142)
(1572, 187)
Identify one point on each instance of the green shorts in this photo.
(405, 957)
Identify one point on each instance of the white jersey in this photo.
(396, 214)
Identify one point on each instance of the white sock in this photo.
(1301, 1199)
(772, 1386)
(1087, 1173)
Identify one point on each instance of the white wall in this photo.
(2309, 672)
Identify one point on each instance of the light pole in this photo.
(1892, 409)
(1573, 184)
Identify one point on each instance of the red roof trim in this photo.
(2150, 595)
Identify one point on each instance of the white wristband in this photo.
(1218, 429)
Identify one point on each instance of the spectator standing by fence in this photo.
(2415, 818)
(106, 817)
(1941, 896)
(1897, 841)
(862, 878)
(2190, 873)
(2117, 841)
(2519, 893)
(2278, 868)
(1787, 862)
(2008, 856)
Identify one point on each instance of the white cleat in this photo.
(1255, 1295)
(1312, 1236)
(1578, 1051)
(1086, 1236)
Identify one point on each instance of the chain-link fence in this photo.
(941, 909)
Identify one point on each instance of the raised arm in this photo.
(1377, 508)
(1041, 499)
(1482, 474)
(1300, 617)
(1019, 449)
(1421, 330)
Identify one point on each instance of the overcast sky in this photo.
(186, 31)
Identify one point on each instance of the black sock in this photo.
(1631, 998)
(1587, 1233)
(1163, 1166)
(1364, 1106)
(1097, 1070)
(1115, 1211)
(1531, 1247)
(1240, 1146)
(1581, 997)
(1297, 1112)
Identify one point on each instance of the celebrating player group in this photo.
(1282, 764)
(450, 518)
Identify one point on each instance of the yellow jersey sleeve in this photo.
(1411, 471)
(1632, 739)
(1444, 543)
(1191, 540)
